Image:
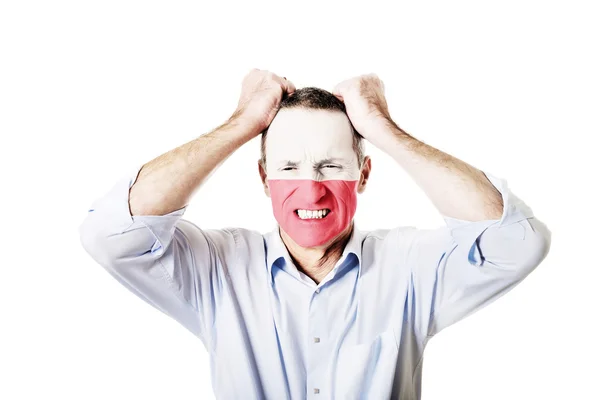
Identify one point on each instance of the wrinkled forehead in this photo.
(309, 136)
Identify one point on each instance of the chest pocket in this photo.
(366, 370)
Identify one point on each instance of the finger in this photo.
(337, 91)
(290, 88)
(287, 85)
(341, 87)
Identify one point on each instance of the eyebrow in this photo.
(289, 163)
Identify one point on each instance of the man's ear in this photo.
(364, 174)
(263, 178)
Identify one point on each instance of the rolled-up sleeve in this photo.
(466, 265)
(148, 255)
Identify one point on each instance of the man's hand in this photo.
(262, 92)
(457, 189)
(365, 103)
(156, 192)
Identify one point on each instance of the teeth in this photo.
(312, 214)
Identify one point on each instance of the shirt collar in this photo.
(275, 249)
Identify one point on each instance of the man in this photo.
(317, 308)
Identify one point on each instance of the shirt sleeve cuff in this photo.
(466, 233)
(115, 216)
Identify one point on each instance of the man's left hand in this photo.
(365, 103)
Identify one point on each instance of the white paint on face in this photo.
(311, 144)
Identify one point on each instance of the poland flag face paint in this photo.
(311, 212)
(312, 174)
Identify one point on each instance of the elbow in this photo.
(536, 245)
(91, 240)
(86, 236)
(112, 246)
(102, 245)
(517, 248)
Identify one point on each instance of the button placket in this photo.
(316, 354)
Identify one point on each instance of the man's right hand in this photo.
(156, 192)
(262, 92)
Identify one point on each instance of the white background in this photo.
(89, 90)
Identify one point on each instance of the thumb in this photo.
(337, 92)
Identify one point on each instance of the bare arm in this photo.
(133, 233)
(167, 183)
(493, 242)
(456, 188)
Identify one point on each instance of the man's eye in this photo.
(288, 168)
(331, 166)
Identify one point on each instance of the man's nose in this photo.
(313, 190)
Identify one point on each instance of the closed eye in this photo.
(288, 168)
(331, 166)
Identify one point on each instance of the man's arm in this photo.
(490, 243)
(491, 240)
(457, 189)
(168, 182)
(135, 231)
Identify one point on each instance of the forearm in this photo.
(457, 189)
(168, 182)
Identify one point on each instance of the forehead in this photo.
(309, 135)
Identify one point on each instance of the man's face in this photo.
(312, 174)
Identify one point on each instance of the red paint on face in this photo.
(289, 195)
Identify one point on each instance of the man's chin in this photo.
(317, 241)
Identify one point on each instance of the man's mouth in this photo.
(312, 214)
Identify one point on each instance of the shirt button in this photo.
(316, 390)
(317, 340)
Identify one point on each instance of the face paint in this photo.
(337, 197)
(312, 165)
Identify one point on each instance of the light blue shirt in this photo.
(272, 333)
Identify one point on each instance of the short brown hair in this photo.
(312, 98)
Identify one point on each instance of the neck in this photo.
(317, 262)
